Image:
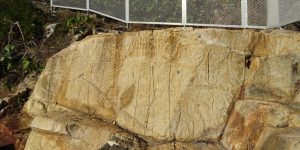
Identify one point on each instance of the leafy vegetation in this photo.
(21, 25)
(11, 60)
(78, 24)
(14, 64)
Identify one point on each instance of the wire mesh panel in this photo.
(115, 8)
(258, 12)
(289, 11)
(223, 12)
(168, 11)
(71, 3)
(219, 13)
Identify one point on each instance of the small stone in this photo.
(49, 29)
(114, 31)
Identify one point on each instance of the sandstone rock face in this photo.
(186, 145)
(249, 119)
(278, 139)
(190, 85)
(274, 74)
(70, 130)
(158, 84)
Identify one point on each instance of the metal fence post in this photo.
(127, 12)
(87, 6)
(184, 14)
(51, 8)
(244, 13)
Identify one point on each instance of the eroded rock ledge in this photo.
(169, 89)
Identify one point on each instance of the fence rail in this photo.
(216, 13)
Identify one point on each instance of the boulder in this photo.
(159, 84)
(168, 88)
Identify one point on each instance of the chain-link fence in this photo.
(218, 13)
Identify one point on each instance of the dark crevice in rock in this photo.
(113, 147)
(296, 80)
(141, 140)
(207, 142)
(119, 143)
(248, 61)
(295, 69)
(238, 96)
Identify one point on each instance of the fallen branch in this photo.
(22, 36)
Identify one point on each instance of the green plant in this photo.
(78, 24)
(15, 63)
(6, 58)
(21, 23)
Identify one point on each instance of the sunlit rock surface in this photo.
(183, 85)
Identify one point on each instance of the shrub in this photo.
(21, 23)
(78, 24)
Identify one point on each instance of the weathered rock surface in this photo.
(278, 139)
(186, 145)
(274, 74)
(249, 119)
(171, 85)
(70, 130)
(159, 84)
